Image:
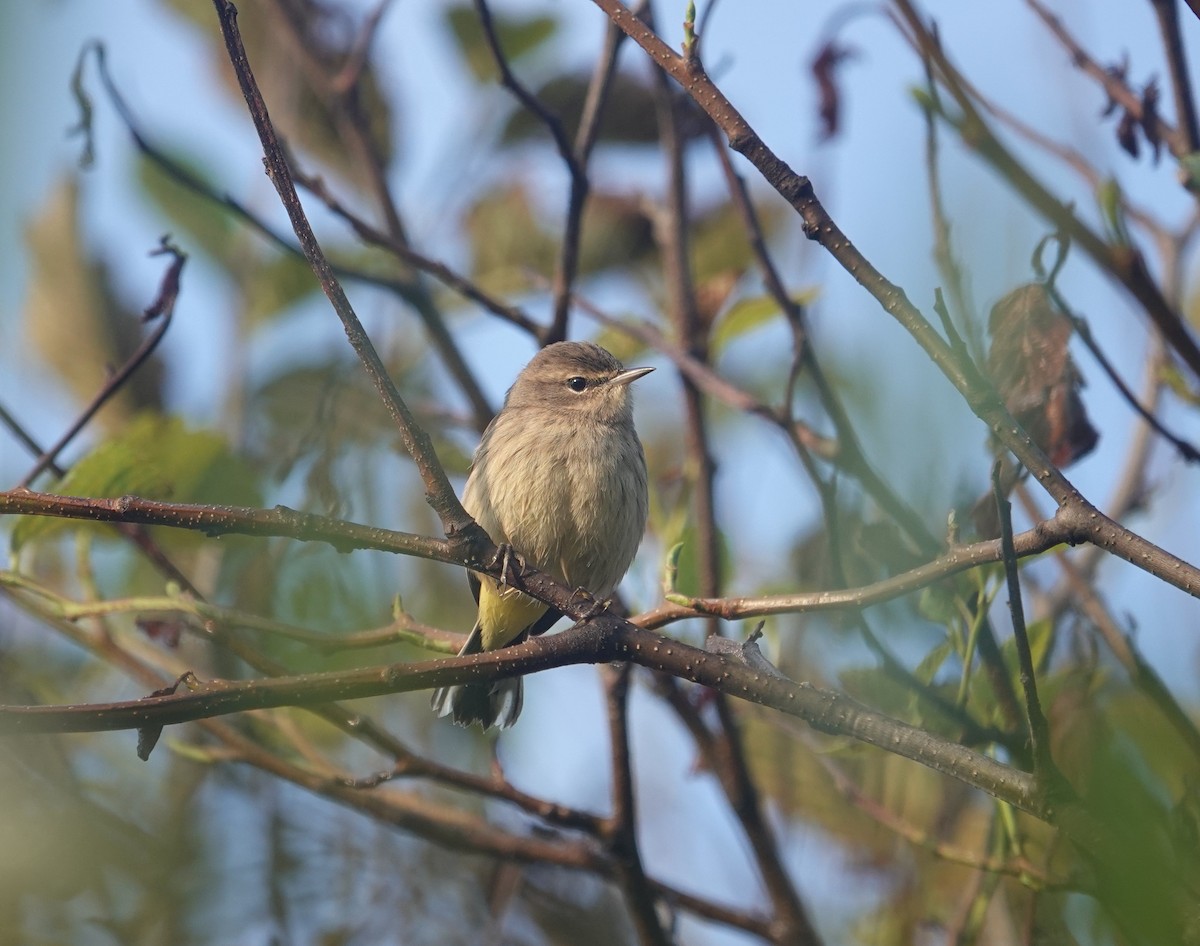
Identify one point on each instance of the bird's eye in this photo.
(577, 384)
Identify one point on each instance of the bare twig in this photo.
(162, 309)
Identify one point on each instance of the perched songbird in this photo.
(560, 476)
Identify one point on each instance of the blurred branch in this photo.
(620, 831)
(444, 274)
(1112, 82)
(342, 93)
(913, 833)
(574, 156)
(1039, 730)
(671, 229)
(412, 294)
(417, 814)
(586, 136)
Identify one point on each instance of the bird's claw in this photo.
(504, 557)
(596, 607)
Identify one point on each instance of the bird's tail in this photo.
(495, 703)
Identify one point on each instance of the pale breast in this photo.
(572, 500)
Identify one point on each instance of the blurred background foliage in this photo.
(256, 400)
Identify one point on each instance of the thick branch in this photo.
(604, 639)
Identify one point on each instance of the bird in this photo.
(559, 481)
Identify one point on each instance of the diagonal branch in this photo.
(439, 493)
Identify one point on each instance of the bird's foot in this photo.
(504, 557)
(595, 607)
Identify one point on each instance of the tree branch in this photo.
(439, 493)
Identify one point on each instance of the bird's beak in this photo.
(625, 377)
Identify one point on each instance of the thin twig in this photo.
(162, 309)
(1186, 451)
(439, 493)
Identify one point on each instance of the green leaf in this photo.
(157, 457)
(743, 316)
(518, 36)
(687, 572)
(719, 240)
(627, 349)
(508, 241)
(193, 752)
(1108, 198)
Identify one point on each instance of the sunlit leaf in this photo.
(719, 242)
(627, 349)
(689, 567)
(742, 317)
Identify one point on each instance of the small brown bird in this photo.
(561, 477)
